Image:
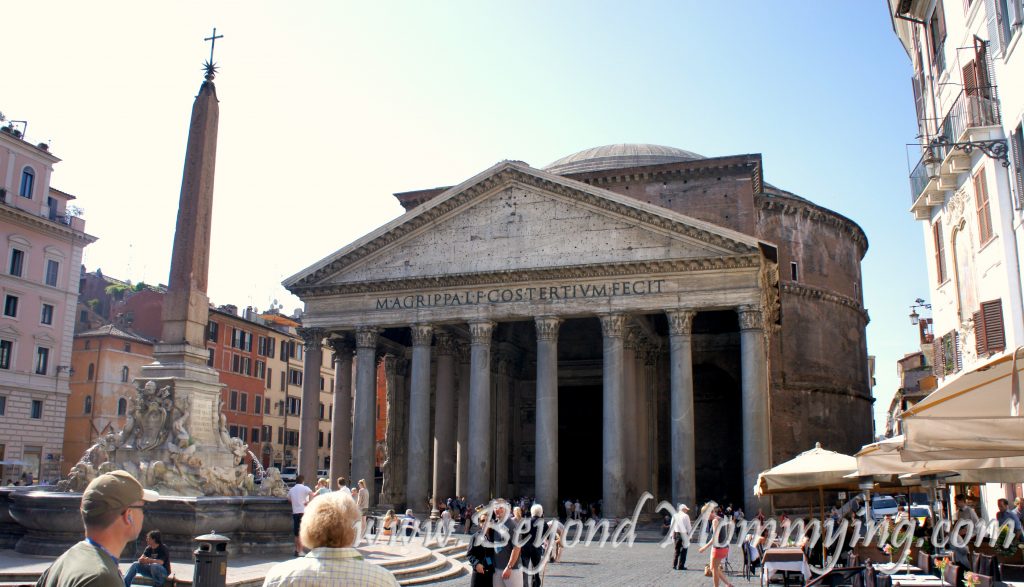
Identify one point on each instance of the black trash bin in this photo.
(211, 558)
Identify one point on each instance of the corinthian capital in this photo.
(750, 318)
(445, 343)
(422, 334)
(366, 337)
(480, 331)
(341, 347)
(312, 338)
(680, 322)
(547, 327)
(612, 325)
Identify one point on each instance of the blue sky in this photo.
(329, 107)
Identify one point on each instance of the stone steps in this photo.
(438, 563)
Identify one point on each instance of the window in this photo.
(209, 359)
(88, 344)
(6, 350)
(266, 405)
(233, 431)
(323, 411)
(243, 406)
(294, 406)
(127, 347)
(211, 331)
(37, 409)
(52, 271)
(17, 262)
(268, 434)
(937, 36)
(124, 374)
(255, 435)
(948, 358)
(28, 180)
(234, 400)
(282, 380)
(280, 435)
(122, 407)
(294, 377)
(261, 369)
(11, 306)
(3, 405)
(46, 316)
(320, 440)
(270, 377)
(321, 384)
(88, 405)
(794, 274)
(243, 433)
(984, 213)
(940, 252)
(257, 404)
(989, 334)
(42, 360)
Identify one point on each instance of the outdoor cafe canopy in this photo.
(809, 471)
(970, 418)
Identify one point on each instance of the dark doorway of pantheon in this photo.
(579, 443)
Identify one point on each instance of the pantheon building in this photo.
(629, 318)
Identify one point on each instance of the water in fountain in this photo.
(260, 471)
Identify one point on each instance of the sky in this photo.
(328, 108)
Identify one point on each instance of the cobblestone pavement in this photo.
(642, 564)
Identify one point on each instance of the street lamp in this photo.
(915, 318)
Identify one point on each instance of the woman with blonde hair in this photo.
(363, 501)
(718, 553)
(390, 524)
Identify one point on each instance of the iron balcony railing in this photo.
(973, 108)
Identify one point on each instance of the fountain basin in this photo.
(51, 523)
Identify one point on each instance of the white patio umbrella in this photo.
(976, 416)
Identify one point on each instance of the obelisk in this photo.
(181, 354)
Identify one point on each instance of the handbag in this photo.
(707, 570)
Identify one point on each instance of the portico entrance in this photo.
(579, 443)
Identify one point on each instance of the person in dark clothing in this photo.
(154, 563)
(533, 551)
(480, 556)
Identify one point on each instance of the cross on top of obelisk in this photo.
(210, 66)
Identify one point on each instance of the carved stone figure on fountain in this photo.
(272, 484)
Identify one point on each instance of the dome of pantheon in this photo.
(618, 157)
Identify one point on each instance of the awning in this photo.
(970, 418)
(809, 471)
(13, 463)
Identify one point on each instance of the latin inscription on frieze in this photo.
(549, 293)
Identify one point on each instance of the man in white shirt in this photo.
(343, 486)
(681, 528)
(568, 509)
(298, 495)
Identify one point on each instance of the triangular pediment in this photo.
(513, 218)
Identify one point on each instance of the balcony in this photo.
(973, 122)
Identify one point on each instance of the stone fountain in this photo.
(176, 438)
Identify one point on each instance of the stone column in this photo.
(444, 420)
(502, 416)
(417, 480)
(479, 471)
(684, 451)
(613, 423)
(309, 425)
(396, 436)
(754, 380)
(341, 426)
(462, 471)
(364, 435)
(546, 460)
(630, 445)
(649, 427)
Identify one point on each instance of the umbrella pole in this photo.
(821, 501)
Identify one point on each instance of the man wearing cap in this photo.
(112, 512)
(681, 528)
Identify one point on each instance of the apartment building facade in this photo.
(42, 240)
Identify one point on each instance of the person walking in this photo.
(154, 563)
(329, 530)
(480, 557)
(718, 553)
(298, 496)
(112, 513)
(363, 501)
(681, 529)
(533, 550)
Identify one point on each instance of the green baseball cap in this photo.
(114, 491)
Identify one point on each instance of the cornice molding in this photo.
(571, 272)
(790, 206)
(45, 225)
(819, 293)
(499, 180)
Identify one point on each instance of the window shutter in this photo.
(1017, 151)
(992, 316)
(938, 357)
(918, 98)
(980, 341)
(994, 25)
(970, 76)
(1015, 13)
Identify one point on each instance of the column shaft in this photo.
(462, 471)
(479, 471)
(756, 434)
(364, 436)
(546, 474)
(341, 425)
(309, 425)
(630, 447)
(444, 421)
(684, 448)
(614, 481)
(417, 479)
